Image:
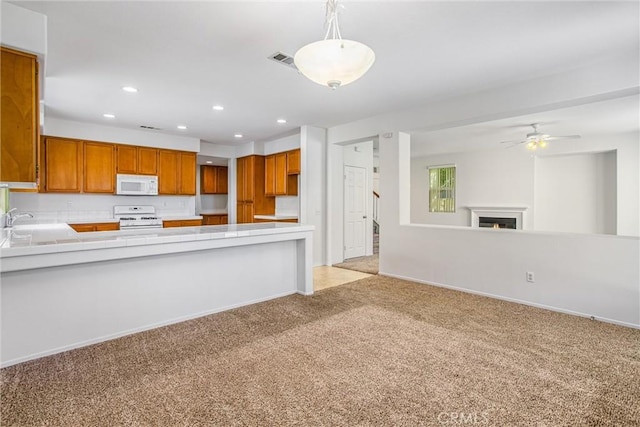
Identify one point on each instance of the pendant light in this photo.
(334, 62)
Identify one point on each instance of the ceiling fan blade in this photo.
(551, 138)
(514, 141)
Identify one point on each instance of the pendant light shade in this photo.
(334, 62)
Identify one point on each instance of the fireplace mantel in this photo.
(517, 212)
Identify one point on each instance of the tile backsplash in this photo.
(67, 207)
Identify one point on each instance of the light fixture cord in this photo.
(332, 21)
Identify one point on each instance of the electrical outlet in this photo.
(530, 277)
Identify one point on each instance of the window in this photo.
(442, 189)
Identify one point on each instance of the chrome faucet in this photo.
(11, 217)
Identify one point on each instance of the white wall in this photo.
(483, 178)
(576, 193)
(23, 29)
(595, 275)
(591, 275)
(313, 188)
(95, 132)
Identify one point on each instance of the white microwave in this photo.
(137, 185)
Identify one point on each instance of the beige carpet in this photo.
(378, 351)
(364, 264)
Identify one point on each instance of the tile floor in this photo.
(325, 276)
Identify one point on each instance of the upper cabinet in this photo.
(73, 166)
(137, 160)
(281, 173)
(293, 162)
(19, 116)
(63, 165)
(187, 173)
(99, 167)
(176, 172)
(213, 179)
(275, 178)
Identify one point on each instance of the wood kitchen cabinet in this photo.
(276, 174)
(136, 160)
(213, 179)
(293, 162)
(279, 181)
(245, 212)
(251, 196)
(62, 164)
(176, 172)
(97, 226)
(187, 173)
(19, 116)
(217, 219)
(182, 223)
(99, 168)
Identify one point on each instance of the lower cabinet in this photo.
(245, 212)
(95, 226)
(182, 223)
(215, 219)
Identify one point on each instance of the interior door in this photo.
(355, 211)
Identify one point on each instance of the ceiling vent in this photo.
(283, 59)
(149, 127)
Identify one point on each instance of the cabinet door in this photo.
(211, 219)
(63, 165)
(249, 176)
(127, 159)
(187, 182)
(224, 219)
(99, 168)
(222, 180)
(293, 162)
(167, 172)
(281, 174)
(241, 164)
(270, 175)
(147, 161)
(208, 179)
(19, 116)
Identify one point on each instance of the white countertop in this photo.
(38, 239)
(178, 217)
(214, 212)
(276, 217)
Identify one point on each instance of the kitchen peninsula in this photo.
(63, 290)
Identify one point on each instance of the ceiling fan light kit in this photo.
(334, 62)
(538, 139)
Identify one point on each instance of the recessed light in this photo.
(129, 89)
(209, 162)
(281, 121)
(109, 116)
(237, 135)
(218, 107)
(182, 127)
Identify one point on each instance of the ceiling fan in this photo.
(538, 139)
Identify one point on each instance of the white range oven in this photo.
(136, 217)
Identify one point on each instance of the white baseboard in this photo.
(500, 297)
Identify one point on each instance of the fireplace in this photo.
(497, 222)
(509, 217)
